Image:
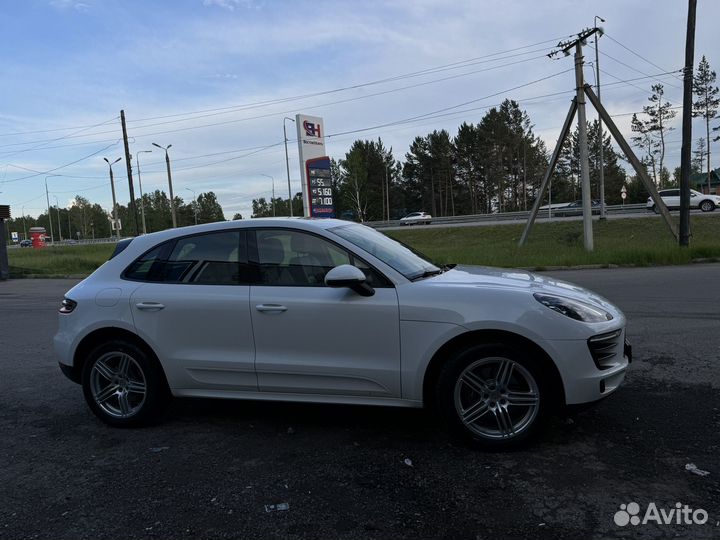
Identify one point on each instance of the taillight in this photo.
(67, 306)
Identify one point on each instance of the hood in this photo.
(507, 278)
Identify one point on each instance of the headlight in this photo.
(580, 311)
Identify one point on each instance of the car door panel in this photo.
(202, 334)
(326, 340)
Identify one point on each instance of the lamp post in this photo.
(142, 202)
(114, 206)
(47, 198)
(24, 226)
(600, 126)
(287, 164)
(172, 197)
(272, 200)
(57, 207)
(194, 203)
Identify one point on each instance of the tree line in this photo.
(85, 220)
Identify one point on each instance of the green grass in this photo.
(622, 242)
(61, 261)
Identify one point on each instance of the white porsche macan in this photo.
(333, 312)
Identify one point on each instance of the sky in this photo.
(215, 79)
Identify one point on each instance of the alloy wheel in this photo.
(118, 384)
(496, 398)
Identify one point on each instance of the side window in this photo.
(296, 259)
(293, 258)
(148, 266)
(207, 259)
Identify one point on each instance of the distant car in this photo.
(26, 243)
(671, 198)
(576, 209)
(416, 218)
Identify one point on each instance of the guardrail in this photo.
(509, 216)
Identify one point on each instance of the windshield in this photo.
(402, 258)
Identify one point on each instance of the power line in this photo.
(278, 113)
(61, 166)
(632, 68)
(454, 65)
(633, 52)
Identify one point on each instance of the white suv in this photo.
(671, 198)
(331, 312)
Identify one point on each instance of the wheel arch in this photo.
(103, 335)
(476, 337)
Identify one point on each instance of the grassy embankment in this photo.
(624, 242)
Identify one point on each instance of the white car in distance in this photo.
(416, 218)
(330, 312)
(671, 199)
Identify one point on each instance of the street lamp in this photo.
(272, 200)
(600, 126)
(194, 203)
(24, 226)
(287, 164)
(114, 206)
(47, 198)
(142, 203)
(172, 197)
(57, 206)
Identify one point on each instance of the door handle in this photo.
(270, 308)
(149, 306)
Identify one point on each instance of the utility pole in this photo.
(47, 198)
(684, 235)
(114, 207)
(172, 197)
(600, 124)
(287, 164)
(583, 144)
(194, 202)
(142, 202)
(57, 207)
(582, 92)
(128, 163)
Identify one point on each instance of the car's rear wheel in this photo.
(494, 395)
(124, 385)
(707, 206)
(655, 209)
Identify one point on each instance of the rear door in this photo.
(193, 309)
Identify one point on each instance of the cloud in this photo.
(70, 4)
(230, 4)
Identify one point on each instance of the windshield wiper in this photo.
(426, 274)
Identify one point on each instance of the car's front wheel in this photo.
(124, 385)
(494, 395)
(707, 206)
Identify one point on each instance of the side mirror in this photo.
(349, 276)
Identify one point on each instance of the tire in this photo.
(480, 384)
(707, 206)
(124, 385)
(655, 209)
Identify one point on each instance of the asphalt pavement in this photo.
(214, 469)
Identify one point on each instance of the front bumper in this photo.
(583, 381)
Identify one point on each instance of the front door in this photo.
(310, 338)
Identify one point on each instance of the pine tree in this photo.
(706, 105)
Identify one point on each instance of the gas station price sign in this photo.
(320, 192)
